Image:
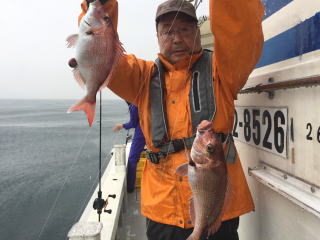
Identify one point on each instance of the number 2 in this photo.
(266, 115)
(235, 133)
(310, 130)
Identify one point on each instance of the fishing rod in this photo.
(99, 203)
(196, 3)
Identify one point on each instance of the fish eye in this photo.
(210, 148)
(106, 18)
(201, 132)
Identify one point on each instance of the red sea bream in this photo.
(207, 174)
(97, 51)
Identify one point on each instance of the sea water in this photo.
(49, 164)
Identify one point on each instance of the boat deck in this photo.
(132, 225)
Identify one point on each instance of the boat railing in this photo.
(112, 184)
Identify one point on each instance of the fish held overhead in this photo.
(207, 173)
(97, 52)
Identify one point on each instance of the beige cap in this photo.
(176, 6)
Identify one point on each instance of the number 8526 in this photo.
(261, 127)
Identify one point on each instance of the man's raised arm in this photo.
(236, 26)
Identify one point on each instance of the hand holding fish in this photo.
(208, 179)
(97, 52)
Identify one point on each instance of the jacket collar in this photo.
(185, 63)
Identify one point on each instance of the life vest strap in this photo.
(177, 145)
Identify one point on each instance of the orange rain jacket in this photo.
(236, 26)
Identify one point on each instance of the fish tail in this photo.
(87, 106)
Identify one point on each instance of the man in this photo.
(182, 87)
(137, 145)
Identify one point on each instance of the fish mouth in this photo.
(192, 163)
(87, 23)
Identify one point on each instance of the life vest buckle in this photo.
(153, 157)
(178, 144)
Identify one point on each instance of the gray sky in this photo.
(34, 56)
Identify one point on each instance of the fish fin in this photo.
(182, 170)
(192, 211)
(72, 40)
(120, 47)
(78, 78)
(88, 107)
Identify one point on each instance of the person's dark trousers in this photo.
(137, 147)
(159, 231)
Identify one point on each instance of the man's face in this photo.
(178, 37)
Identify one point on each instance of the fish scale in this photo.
(98, 50)
(208, 180)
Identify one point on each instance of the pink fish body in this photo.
(97, 51)
(207, 175)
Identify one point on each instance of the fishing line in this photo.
(168, 166)
(187, 72)
(145, 80)
(186, 78)
(99, 203)
(174, 19)
(64, 182)
(143, 83)
(90, 192)
(196, 4)
(100, 141)
(98, 175)
(165, 167)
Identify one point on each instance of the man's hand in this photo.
(117, 127)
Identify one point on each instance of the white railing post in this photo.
(85, 231)
(120, 157)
